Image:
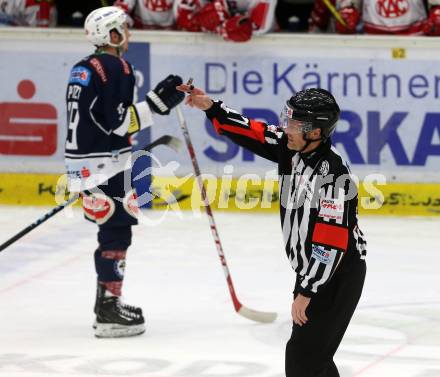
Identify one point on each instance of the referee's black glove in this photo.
(165, 96)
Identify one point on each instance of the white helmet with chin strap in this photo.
(101, 21)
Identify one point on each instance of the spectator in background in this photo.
(322, 20)
(235, 21)
(148, 14)
(432, 24)
(379, 17)
(35, 13)
(293, 15)
(72, 13)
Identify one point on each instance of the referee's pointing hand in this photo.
(196, 97)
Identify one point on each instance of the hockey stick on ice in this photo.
(170, 141)
(254, 315)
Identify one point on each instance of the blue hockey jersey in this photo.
(101, 117)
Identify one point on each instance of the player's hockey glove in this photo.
(165, 96)
(185, 16)
(212, 15)
(185, 21)
(351, 17)
(237, 29)
(258, 15)
(432, 24)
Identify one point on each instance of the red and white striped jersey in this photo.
(28, 13)
(262, 12)
(149, 14)
(389, 16)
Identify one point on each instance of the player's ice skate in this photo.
(116, 320)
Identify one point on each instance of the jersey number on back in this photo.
(73, 120)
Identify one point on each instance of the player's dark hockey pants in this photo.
(310, 350)
(108, 207)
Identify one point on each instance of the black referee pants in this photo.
(310, 350)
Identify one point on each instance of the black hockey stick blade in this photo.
(173, 142)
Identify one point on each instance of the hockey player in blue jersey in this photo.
(101, 117)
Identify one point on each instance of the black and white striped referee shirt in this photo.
(318, 198)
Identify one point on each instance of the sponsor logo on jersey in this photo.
(322, 255)
(80, 75)
(332, 204)
(158, 5)
(392, 8)
(99, 69)
(85, 172)
(331, 209)
(78, 170)
(125, 66)
(324, 168)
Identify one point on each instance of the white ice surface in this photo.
(47, 288)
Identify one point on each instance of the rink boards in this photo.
(387, 87)
(228, 194)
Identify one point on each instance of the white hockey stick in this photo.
(254, 315)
